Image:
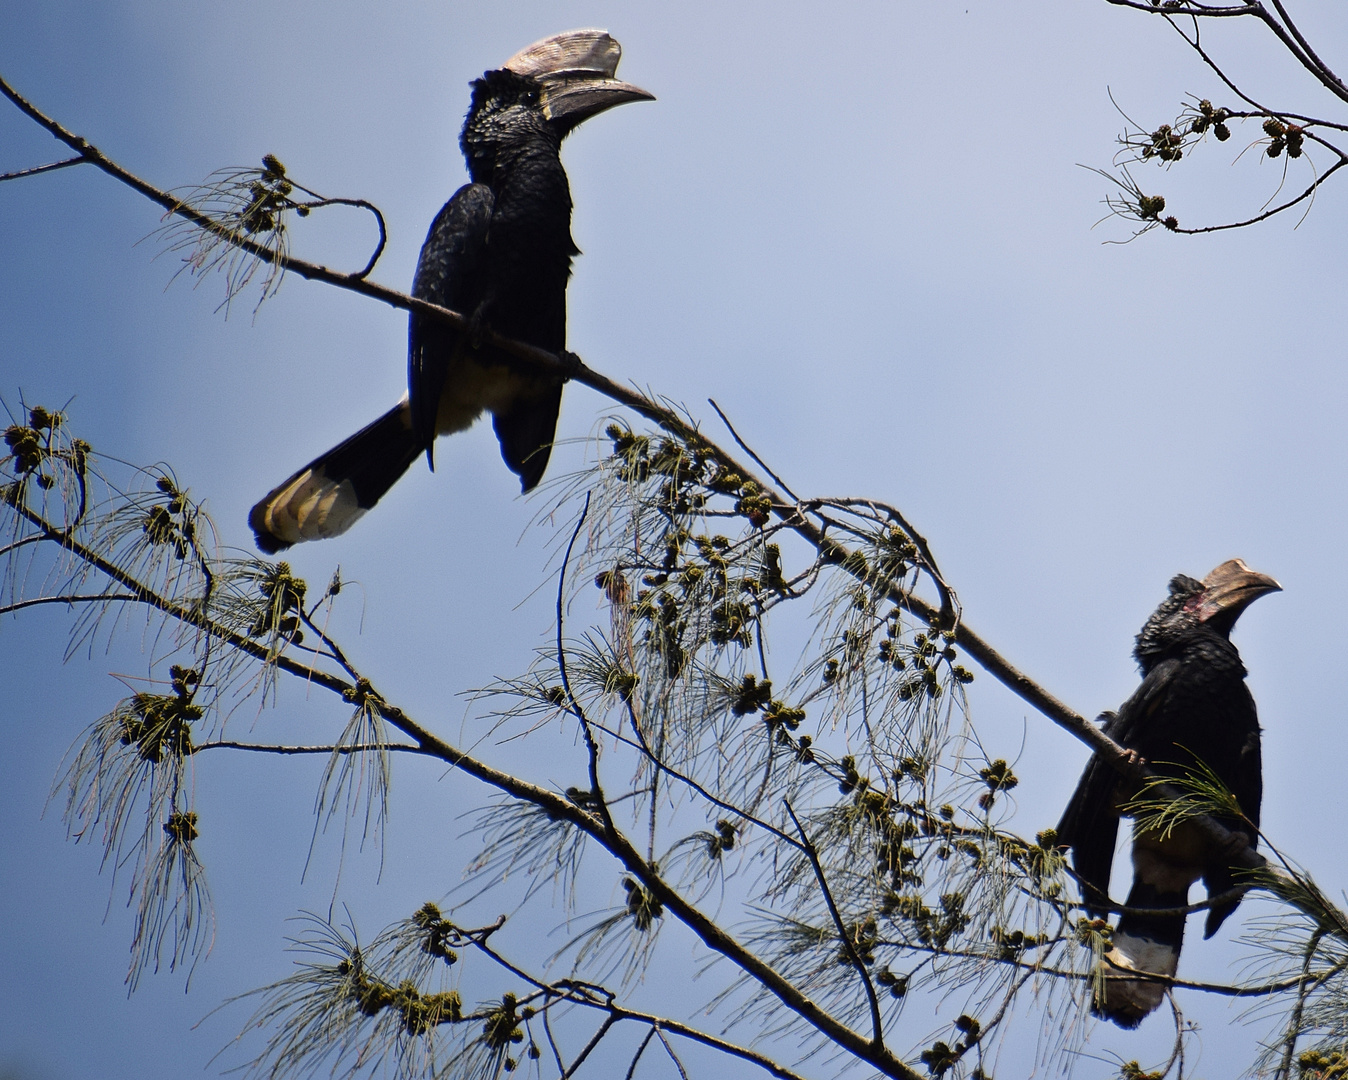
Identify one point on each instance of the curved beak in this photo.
(572, 101)
(1232, 587)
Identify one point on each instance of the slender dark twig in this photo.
(268, 748)
(1269, 213)
(749, 450)
(19, 605)
(636, 1058)
(683, 1073)
(848, 944)
(552, 1042)
(604, 1028)
(363, 204)
(597, 997)
(37, 169)
(1188, 9)
(1304, 986)
(573, 703)
(1316, 66)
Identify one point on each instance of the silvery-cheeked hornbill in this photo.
(498, 252)
(1193, 707)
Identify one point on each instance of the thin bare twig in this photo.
(1317, 67)
(597, 997)
(19, 605)
(1304, 986)
(38, 169)
(683, 1073)
(552, 1042)
(1306, 57)
(604, 1028)
(270, 748)
(749, 450)
(877, 1024)
(363, 204)
(573, 703)
(1276, 210)
(636, 1058)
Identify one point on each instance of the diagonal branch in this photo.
(595, 1040)
(557, 806)
(281, 748)
(636, 1057)
(683, 1073)
(97, 598)
(1288, 34)
(37, 170)
(1277, 209)
(749, 450)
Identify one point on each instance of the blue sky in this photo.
(861, 228)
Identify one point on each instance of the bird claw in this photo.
(476, 328)
(571, 364)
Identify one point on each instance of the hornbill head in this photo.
(1216, 603)
(547, 89)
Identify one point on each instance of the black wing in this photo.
(449, 273)
(1246, 783)
(1090, 824)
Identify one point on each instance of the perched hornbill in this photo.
(499, 252)
(1193, 707)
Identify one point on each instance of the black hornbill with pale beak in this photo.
(499, 252)
(1193, 708)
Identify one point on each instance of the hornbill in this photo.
(1192, 711)
(499, 252)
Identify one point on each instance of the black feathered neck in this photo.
(1174, 620)
(504, 119)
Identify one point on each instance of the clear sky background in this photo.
(860, 227)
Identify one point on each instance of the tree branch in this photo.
(604, 1028)
(1289, 36)
(39, 169)
(1277, 986)
(1276, 210)
(1300, 48)
(19, 605)
(267, 748)
(636, 1058)
(683, 1073)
